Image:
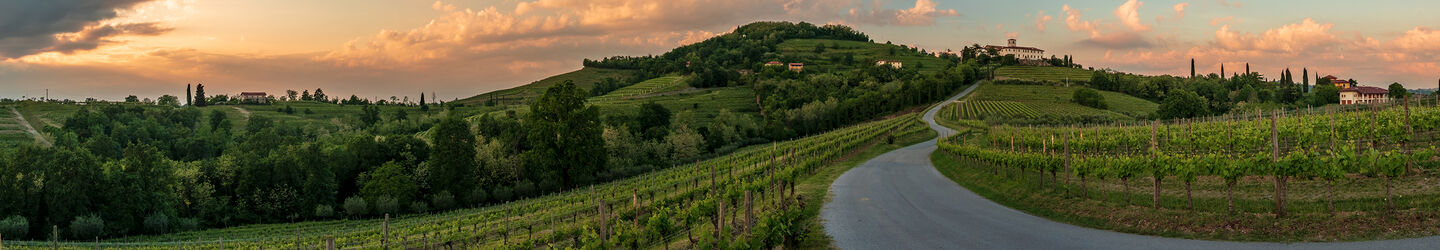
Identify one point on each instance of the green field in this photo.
(11, 132)
(1055, 100)
(584, 78)
(659, 85)
(1051, 74)
(865, 53)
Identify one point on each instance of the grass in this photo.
(818, 185)
(865, 53)
(1359, 205)
(1037, 73)
(1055, 100)
(584, 78)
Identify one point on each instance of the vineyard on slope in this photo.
(1316, 150)
(684, 206)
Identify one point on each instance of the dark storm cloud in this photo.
(29, 27)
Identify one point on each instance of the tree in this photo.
(1192, 67)
(391, 180)
(369, 114)
(1090, 98)
(132, 98)
(452, 158)
(356, 206)
(1305, 80)
(654, 120)
(423, 107)
(566, 136)
(319, 96)
(1324, 94)
(305, 96)
(1183, 104)
(168, 100)
(87, 227)
(290, 94)
(1398, 91)
(14, 227)
(187, 95)
(200, 96)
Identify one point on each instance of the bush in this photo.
(187, 224)
(503, 194)
(478, 197)
(1183, 104)
(419, 207)
(1090, 98)
(157, 223)
(87, 227)
(443, 200)
(356, 206)
(324, 211)
(15, 227)
(386, 205)
(525, 189)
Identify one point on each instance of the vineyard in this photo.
(969, 109)
(743, 200)
(1055, 74)
(1235, 162)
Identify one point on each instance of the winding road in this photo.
(898, 200)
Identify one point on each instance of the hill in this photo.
(845, 55)
(584, 78)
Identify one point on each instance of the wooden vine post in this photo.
(1155, 155)
(635, 202)
(1409, 134)
(385, 231)
(749, 213)
(1275, 158)
(604, 227)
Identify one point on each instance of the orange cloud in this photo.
(1180, 10)
(1220, 20)
(1041, 19)
(923, 13)
(1421, 39)
(1306, 36)
(1129, 14)
(1075, 22)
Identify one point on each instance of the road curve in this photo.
(898, 200)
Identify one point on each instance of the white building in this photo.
(891, 63)
(1363, 95)
(1022, 53)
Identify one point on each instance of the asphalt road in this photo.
(898, 200)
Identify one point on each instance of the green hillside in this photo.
(584, 78)
(1055, 101)
(655, 86)
(1055, 74)
(863, 53)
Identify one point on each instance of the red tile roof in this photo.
(253, 93)
(1366, 90)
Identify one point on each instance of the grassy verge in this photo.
(818, 185)
(1359, 214)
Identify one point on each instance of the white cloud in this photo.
(1129, 14)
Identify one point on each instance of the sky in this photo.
(109, 49)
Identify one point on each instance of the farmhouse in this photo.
(774, 63)
(797, 67)
(1022, 53)
(1363, 95)
(253, 97)
(1339, 83)
(891, 63)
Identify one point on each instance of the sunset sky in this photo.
(380, 48)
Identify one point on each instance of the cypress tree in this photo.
(187, 94)
(423, 106)
(200, 95)
(1222, 70)
(1192, 67)
(1305, 79)
(1247, 68)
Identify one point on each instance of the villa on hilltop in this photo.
(1363, 95)
(1022, 53)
